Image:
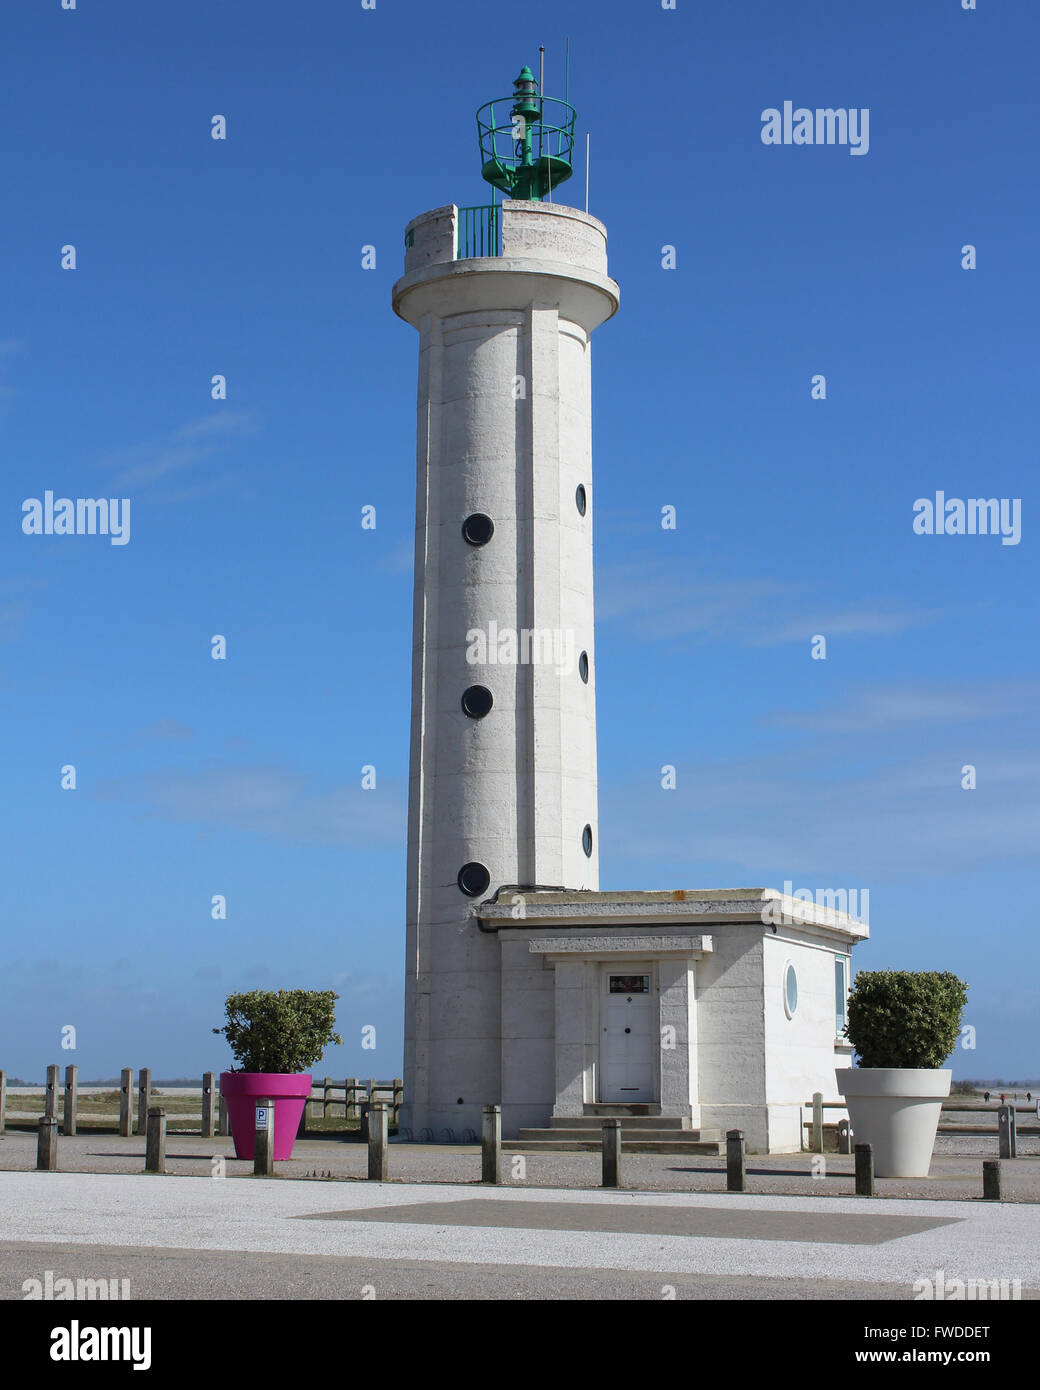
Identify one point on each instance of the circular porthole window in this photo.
(580, 499)
(473, 879)
(586, 841)
(583, 667)
(478, 529)
(790, 990)
(477, 701)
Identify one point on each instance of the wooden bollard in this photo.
(47, 1145)
(50, 1098)
(144, 1098)
(378, 1142)
(864, 1170)
(126, 1102)
(207, 1105)
(736, 1175)
(816, 1133)
(155, 1141)
(263, 1139)
(223, 1126)
(491, 1144)
(351, 1098)
(611, 1154)
(844, 1137)
(68, 1116)
(3, 1101)
(1007, 1136)
(992, 1180)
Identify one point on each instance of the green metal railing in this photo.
(480, 232)
(526, 141)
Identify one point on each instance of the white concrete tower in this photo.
(503, 752)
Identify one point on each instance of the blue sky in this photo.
(243, 257)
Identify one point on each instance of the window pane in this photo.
(839, 994)
(629, 984)
(790, 990)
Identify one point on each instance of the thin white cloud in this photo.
(658, 600)
(883, 795)
(855, 621)
(192, 443)
(366, 988)
(269, 801)
(821, 821)
(892, 708)
(169, 729)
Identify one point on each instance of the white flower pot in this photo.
(896, 1110)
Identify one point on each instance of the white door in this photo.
(626, 1070)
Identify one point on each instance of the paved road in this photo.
(177, 1237)
(193, 1274)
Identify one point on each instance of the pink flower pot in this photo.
(242, 1089)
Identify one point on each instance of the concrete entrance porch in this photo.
(623, 1008)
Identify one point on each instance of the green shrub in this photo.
(287, 1031)
(905, 1018)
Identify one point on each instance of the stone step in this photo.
(620, 1109)
(628, 1136)
(633, 1122)
(672, 1145)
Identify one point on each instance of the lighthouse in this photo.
(685, 1012)
(502, 796)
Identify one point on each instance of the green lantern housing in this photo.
(532, 152)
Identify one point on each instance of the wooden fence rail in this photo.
(353, 1094)
(951, 1105)
(347, 1097)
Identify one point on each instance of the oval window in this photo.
(790, 990)
(586, 841)
(580, 499)
(583, 667)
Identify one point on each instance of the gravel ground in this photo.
(956, 1167)
(716, 1236)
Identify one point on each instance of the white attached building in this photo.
(720, 1008)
